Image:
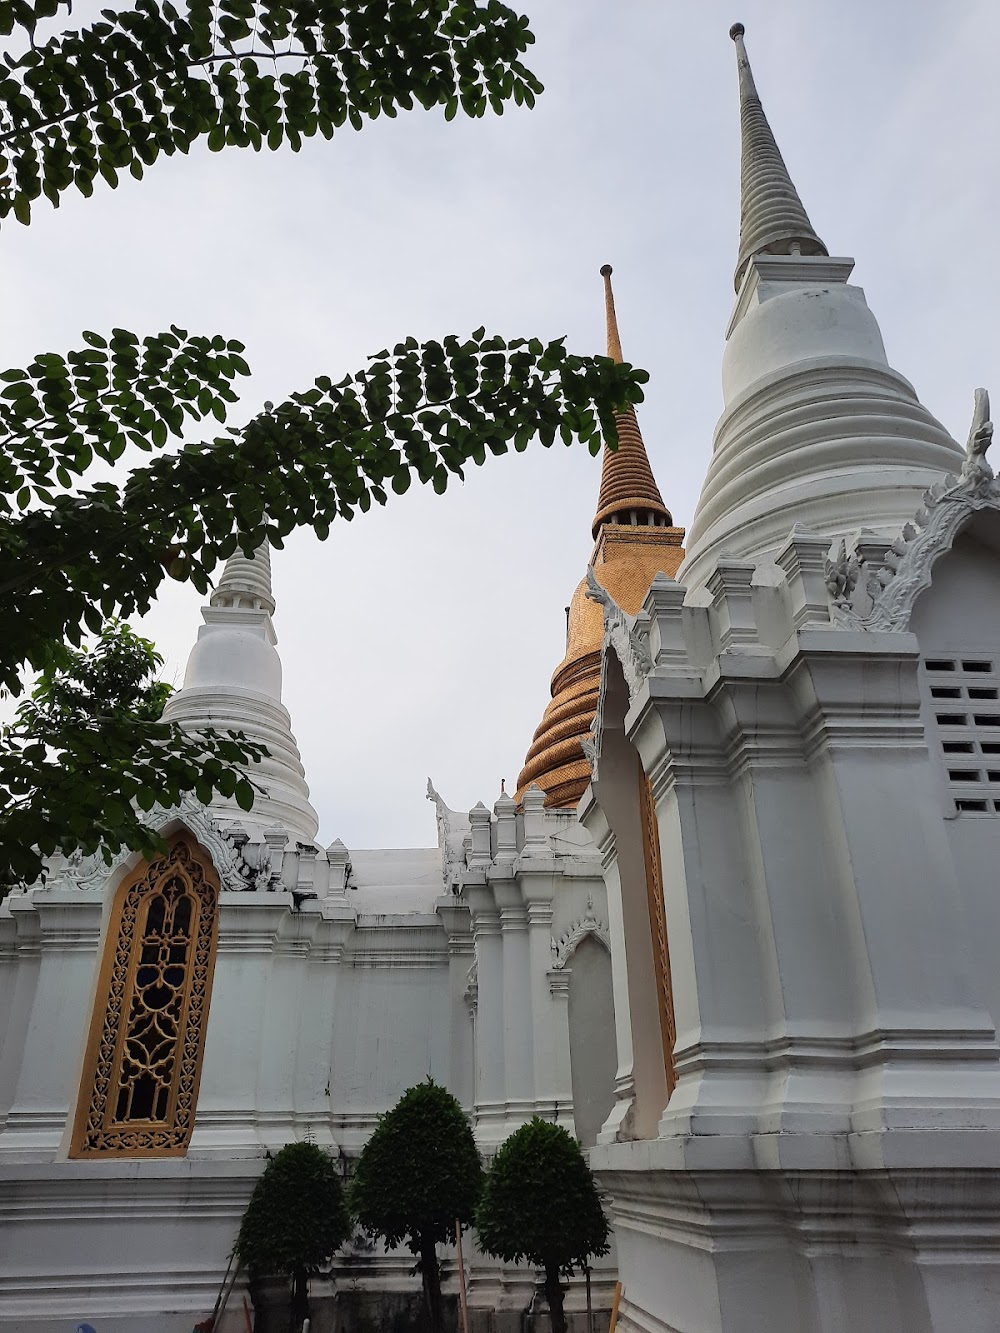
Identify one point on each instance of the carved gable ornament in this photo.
(564, 947)
(622, 632)
(625, 634)
(882, 597)
(226, 846)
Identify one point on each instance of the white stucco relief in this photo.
(453, 831)
(882, 597)
(567, 943)
(233, 856)
(620, 630)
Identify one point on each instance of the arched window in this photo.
(147, 1036)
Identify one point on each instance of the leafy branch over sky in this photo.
(152, 80)
(78, 554)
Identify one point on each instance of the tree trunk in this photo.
(431, 1277)
(554, 1296)
(255, 1288)
(300, 1300)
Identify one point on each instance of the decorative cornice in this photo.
(566, 945)
(882, 598)
(453, 830)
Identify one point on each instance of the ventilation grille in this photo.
(965, 700)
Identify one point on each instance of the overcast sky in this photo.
(421, 639)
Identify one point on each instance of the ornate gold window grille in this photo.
(147, 1035)
(658, 926)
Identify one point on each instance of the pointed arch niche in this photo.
(142, 1069)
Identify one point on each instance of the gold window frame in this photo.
(97, 1132)
(658, 926)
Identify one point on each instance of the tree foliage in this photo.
(296, 1218)
(422, 411)
(148, 82)
(153, 80)
(88, 753)
(540, 1204)
(417, 1176)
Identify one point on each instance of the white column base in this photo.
(734, 1249)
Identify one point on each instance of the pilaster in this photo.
(518, 1020)
(490, 1073)
(562, 1074)
(56, 938)
(456, 918)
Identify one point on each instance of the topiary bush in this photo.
(296, 1219)
(540, 1204)
(419, 1173)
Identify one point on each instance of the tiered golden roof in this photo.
(627, 481)
(635, 541)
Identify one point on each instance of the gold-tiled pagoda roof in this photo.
(626, 560)
(635, 541)
(627, 482)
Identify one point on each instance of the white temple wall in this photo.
(391, 1028)
(239, 1079)
(957, 623)
(827, 1157)
(55, 1012)
(20, 964)
(324, 1009)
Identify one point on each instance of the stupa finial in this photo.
(246, 581)
(772, 218)
(614, 341)
(747, 84)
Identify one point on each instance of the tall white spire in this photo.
(772, 219)
(818, 429)
(233, 682)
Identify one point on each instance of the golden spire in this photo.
(629, 493)
(772, 219)
(635, 541)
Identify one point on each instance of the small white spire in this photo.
(233, 683)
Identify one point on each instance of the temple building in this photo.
(736, 928)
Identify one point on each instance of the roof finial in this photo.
(772, 219)
(747, 86)
(614, 341)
